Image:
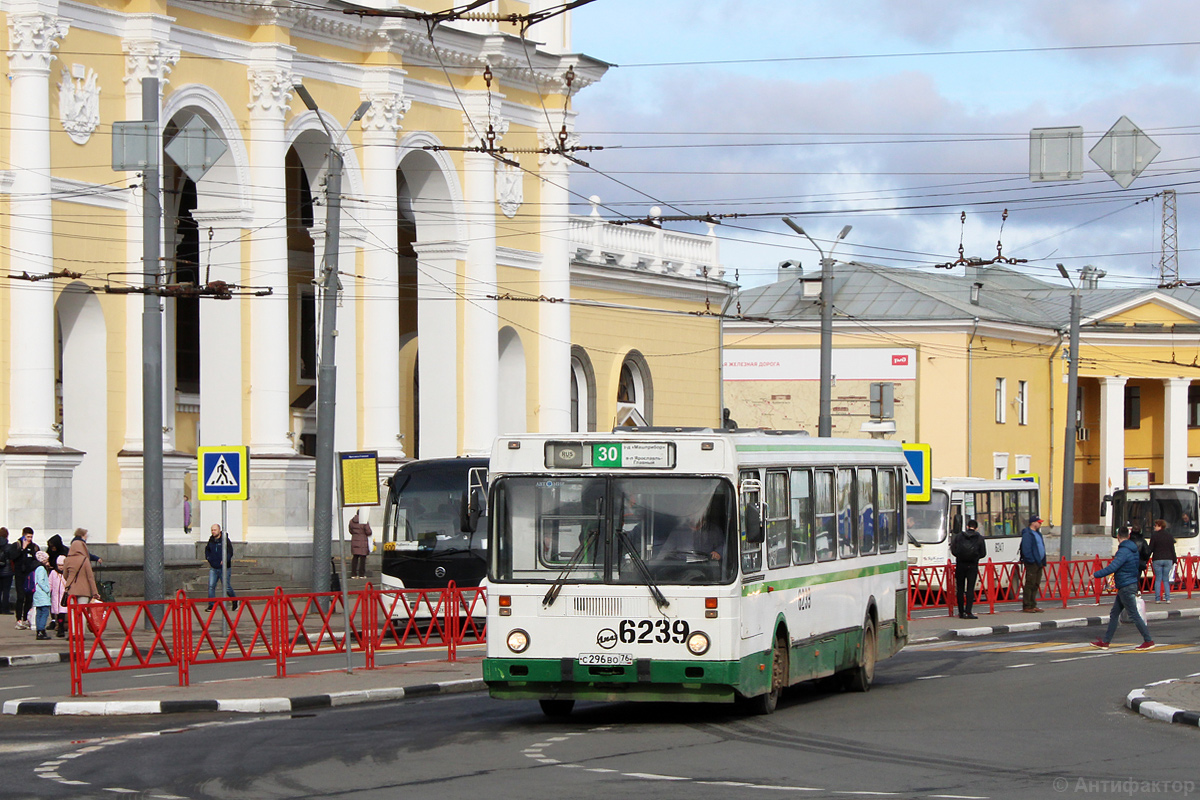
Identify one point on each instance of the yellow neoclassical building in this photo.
(975, 365)
(473, 301)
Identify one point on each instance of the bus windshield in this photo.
(926, 522)
(1176, 506)
(424, 511)
(613, 530)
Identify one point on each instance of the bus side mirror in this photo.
(473, 507)
(1104, 505)
(754, 528)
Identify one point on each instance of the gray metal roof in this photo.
(881, 293)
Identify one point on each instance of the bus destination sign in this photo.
(610, 455)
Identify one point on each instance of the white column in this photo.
(380, 290)
(554, 319)
(481, 346)
(270, 92)
(437, 342)
(1175, 430)
(146, 56)
(1112, 434)
(33, 34)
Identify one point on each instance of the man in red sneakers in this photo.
(1124, 569)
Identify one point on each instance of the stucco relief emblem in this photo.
(79, 103)
(510, 189)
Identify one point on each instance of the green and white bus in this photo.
(691, 565)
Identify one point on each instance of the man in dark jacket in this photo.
(967, 548)
(1124, 569)
(23, 553)
(212, 554)
(1033, 557)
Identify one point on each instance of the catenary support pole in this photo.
(1068, 490)
(152, 361)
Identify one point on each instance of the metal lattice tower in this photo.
(1168, 266)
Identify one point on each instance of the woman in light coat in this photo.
(77, 570)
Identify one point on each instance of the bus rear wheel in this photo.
(860, 678)
(765, 703)
(557, 708)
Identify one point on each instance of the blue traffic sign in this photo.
(224, 473)
(918, 477)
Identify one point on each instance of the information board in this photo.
(360, 478)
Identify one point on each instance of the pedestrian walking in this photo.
(23, 553)
(6, 574)
(1125, 571)
(41, 594)
(58, 603)
(360, 546)
(1033, 557)
(55, 548)
(1162, 558)
(212, 554)
(78, 578)
(187, 514)
(967, 547)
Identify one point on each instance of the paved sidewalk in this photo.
(1177, 701)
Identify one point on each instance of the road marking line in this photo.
(1018, 666)
(929, 677)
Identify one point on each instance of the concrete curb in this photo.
(35, 659)
(1052, 624)
(1161, 712)
(260, 705)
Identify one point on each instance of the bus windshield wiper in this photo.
(576, 560)
(643, 570)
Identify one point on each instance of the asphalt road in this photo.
(1021, 716)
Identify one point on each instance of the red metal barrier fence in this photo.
(186, 631)
(1062, 581)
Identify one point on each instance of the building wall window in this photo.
(1133, 407)
(1193, 412)
(1001, 410)
(635, 392)
(583, 391)
(1022, 402)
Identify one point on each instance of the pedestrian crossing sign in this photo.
(224, 473)
(918, 473)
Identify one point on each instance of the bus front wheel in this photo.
(765, 703)
(557, 708)
(860, 678)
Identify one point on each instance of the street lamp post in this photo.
(1068, 497)
(824, 418)
(327, 372)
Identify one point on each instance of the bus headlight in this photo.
(518, 641)
(697, 643)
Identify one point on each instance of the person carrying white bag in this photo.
(1125, 569)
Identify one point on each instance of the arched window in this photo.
(634, 392)
(583, 391)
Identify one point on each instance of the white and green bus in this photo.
(691, 565)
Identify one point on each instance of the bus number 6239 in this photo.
(649, 631)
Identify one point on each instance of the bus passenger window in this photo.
(886, 516)
(778, 520)
(826, 516)
(751, 551)
(866, 509)
(847, 520)
(802, 525)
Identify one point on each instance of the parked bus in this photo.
(1002, 508)
(691, 565)
(1138, 508)
(427, 537)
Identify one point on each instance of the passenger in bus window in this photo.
(967, 548)
(695, 536)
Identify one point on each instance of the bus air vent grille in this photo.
(597, 607)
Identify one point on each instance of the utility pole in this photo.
(825, 416)
(1069, 444)
(327, 372)
(152, 359)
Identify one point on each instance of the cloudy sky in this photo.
(894, 118)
